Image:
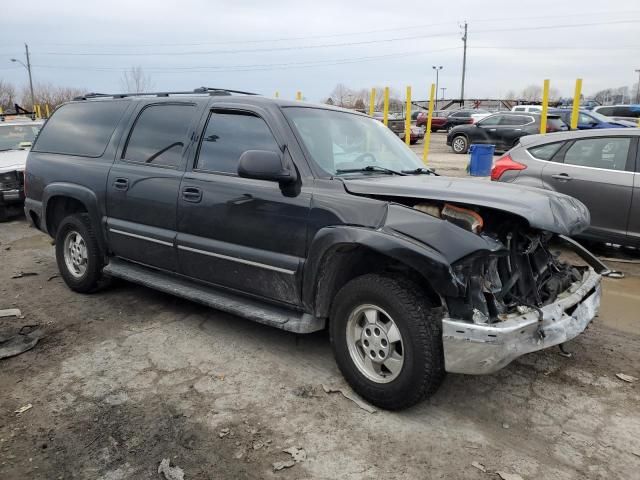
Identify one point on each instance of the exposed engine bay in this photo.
(524, 276)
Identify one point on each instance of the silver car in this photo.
(598, 167)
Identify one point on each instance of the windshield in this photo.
(13, 137)
(339, 141)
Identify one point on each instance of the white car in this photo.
(527, 108)
(16, 137)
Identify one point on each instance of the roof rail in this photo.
(200, 90)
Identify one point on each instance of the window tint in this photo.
(545, 152)
(514, 120)
(229, 135)
(584, 119)
(82, 128)
(608, 111)
(489, 121)
(519, 109)
(609, 153)
(159, 135)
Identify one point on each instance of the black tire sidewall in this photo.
(403, 390)
(466, 144)
(81, 224)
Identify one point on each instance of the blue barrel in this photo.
(481, 160)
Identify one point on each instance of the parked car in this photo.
(438, 120)
(589, 120)
(620, 113)
(17, 133)
(397, 126)
(461, 117)
(527, 108)
(503, 130)
(304, 217)
(417, 134)
(598, 167)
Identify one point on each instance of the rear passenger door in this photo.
(240, 233)
(599, 172)
(143, 184)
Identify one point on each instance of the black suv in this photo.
(301, 217)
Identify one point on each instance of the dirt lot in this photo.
(126, 377)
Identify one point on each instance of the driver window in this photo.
(585, 119)
(493, 120)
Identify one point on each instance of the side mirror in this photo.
(265, 165)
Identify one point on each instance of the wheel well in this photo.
(350, 261)
(58, 208)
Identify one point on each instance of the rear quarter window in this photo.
(545, 152)
(83, 129)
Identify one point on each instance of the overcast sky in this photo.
(288, 45)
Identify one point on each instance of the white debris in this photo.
(479, 466)
(281, 465)
(297, 454)
(224, 432)
(11, 312)
(509, 476)
(169, 472)
(626, 378)
(23, 409)
(351, 396)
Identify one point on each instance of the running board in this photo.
(261, 312)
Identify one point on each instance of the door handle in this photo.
(121, 183)
(562, 177)
(492, 129)
(191, 194)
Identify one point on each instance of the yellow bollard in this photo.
(298, 95)
(545, 107)
(277, 94)
(427, 133)
(372, 102)
(38, 112)
(46, 108)
(385, 110)
(576, 104)
(407, 119)
(1, 111)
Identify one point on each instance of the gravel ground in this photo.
(128, 376)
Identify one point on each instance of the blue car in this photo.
(589, 120)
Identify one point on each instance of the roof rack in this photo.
(201, 90)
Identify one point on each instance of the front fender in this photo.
(428, 262)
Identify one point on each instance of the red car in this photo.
(438, 120)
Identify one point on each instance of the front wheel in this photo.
(387, 340)
(460, 144)
(78, 253)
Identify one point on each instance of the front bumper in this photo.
(485, 348)
(14, 195)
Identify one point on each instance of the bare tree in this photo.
(49, 94)
(7, 95)
(510, 95)
(136, 81)
(342, 96)
(532, 93)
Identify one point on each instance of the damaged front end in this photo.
(515, 300)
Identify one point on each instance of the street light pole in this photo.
(437, 69)
(28, 67)
(638, 88)
(443, 89)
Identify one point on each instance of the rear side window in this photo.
(82, 128)
(545, 152)
(607, 111)
(160, 135)
(227, 136)
(608, 153)
(519, 109)
(515, 120)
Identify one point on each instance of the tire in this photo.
(413, 142)
(420, 330)
(4, 215)
(434, 130)
(460, 144)
(81, 270)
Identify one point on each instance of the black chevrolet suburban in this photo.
(307, 217)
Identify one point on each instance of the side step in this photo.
(249, 308)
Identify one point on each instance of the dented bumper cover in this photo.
(485, 348)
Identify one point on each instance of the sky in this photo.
(289, 46)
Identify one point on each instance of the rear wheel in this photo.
(460, 144)
(78, 253)
(387, 340)
(434, 130)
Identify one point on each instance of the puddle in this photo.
(30, 243)
(621, 304)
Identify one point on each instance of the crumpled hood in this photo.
(11, 160)
(542, 209)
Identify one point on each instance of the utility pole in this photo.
(28, 67)
(638, 87)
(464, 64)
(443, 89)
(437, 69)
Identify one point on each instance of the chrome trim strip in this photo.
(239, 260)
(141, 237)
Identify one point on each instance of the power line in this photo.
(333, 45)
